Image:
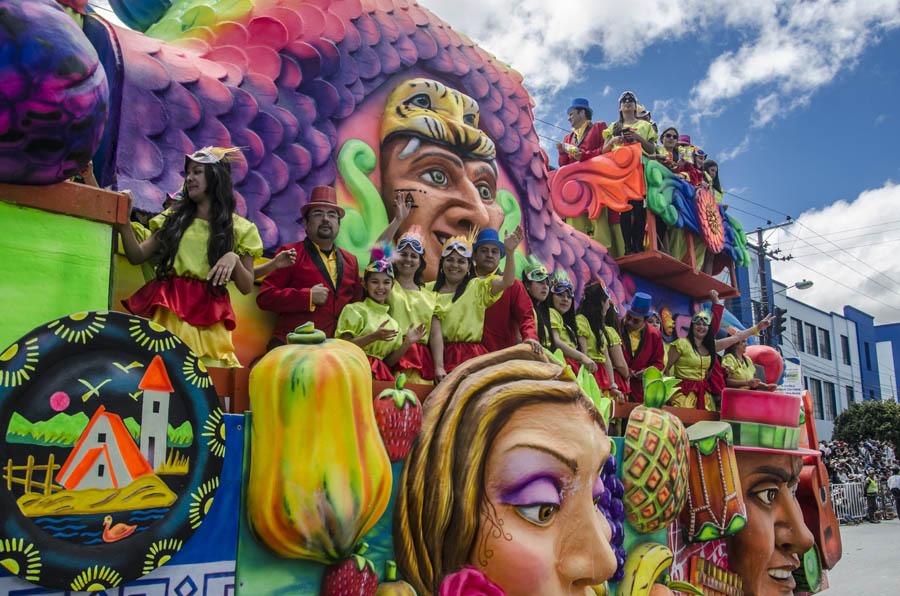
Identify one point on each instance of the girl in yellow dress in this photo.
(564, 326)
(462, 299)
(740, 372)
(198, 245)
(369, 325)
(598, 338)
(691, 358)
(536, 279)
(412, 304)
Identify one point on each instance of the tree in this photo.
(869, 420)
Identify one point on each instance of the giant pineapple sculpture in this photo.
(655, 458)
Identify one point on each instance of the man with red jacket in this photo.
(642, 343)
(321, 282)
(510, 320)
(586, 139)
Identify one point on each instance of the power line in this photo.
(865, 235)
(853, 247)
(884, 275)
(842, 284)
(565, 130)
(734, 194)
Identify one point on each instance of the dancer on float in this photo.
(412, 305)
(740, 372)
(369, 325)
(691, 359)
(462, 299)
(323, 279)
(602, 342)
(536, 279)
(510, 320)
(564, 326)
(643, 344)
(629, 129)
(502, 489)
(199, 246)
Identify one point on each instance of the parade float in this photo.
(123, 473)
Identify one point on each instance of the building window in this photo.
(797, 332)
(155, 407)
(100, 470)
(868, 356)
(830, 401)
(812, 343)
(845, 349)
(848, 390)
(825, 343)
(101, 437)
(815, 389)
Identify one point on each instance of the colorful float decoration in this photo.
(101, 411)
(112, 446)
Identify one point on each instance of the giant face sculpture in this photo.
(432, 148)
(505, 477)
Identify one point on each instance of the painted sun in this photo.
(17, 362)
(150, 335)
(80, 327)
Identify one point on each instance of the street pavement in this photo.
(870, 565)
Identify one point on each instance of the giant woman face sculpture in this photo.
(432, 148)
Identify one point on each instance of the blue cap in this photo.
(490, 236)
(640, 305)
(581, 103)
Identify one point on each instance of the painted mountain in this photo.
(63, 430)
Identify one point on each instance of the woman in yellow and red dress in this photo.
(198, 246)
(457, 327)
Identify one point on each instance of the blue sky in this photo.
(795, 98)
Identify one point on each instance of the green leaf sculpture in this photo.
(658, 389)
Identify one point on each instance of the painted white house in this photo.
(105, 456)
(825, 343)
(157, 390)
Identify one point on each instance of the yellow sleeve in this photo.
(157, 222)
(556, 321)
(614, 338)
(485, 296)
(729, 363)
(583, 326)
(682, 345)
(140, 232)
(351, 321)
(246, 238)
(607, 132)
(648, 133)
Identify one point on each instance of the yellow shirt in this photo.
(635, 338)
(642, 127)
(614, 338)
(578, 133)
(191, 260)
(330, 261)
(585, 331)
(691, 366)
(362, 318)
(739, 370)
(559, 325)
(411, 308)
(463, 321)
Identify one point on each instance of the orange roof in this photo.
(85, 465)
(134, 460)
(156, 378)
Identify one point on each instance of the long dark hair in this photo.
(592, 309)
(221, 225)
(442, 279)
(708, 342)
(675, 152)
(715, 181)
(542, 316)
(570, 322)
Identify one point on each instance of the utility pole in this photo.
(761, 254)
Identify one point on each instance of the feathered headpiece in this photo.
(560, 285)
(382, 255)
(412, 238)
(461, 244)
(210, 155)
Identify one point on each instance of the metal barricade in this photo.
(849, 501)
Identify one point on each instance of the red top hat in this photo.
(322, 196)
(765, 421)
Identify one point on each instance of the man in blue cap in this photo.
(642, 343)
(510, 320)
(586, 139)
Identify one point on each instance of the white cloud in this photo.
(854, 243)
(790, 47)
(606, 91)
(738, 149)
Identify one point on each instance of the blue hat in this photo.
(490, 236)
(580, 103)
(640, 305)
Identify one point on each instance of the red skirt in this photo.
(576, 366)
(601, 377)
(190, 299)
(455, 353)
(698, 388)
(380, 370)
(623, 384)
(417, 357)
